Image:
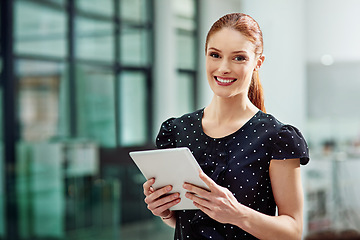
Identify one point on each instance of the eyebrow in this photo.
(212, 48)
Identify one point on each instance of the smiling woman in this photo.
(250, 161)
(230, 61)
(250, 29)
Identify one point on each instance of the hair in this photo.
(247, 26)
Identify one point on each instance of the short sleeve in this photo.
(166, 138)
(290, 143)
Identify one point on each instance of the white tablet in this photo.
(173, 166)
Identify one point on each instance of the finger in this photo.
(162, 201)
(162, 204)
(147, 186)
(158, 193)
(199, 200)
(206, 210)
(208, 181)
(197, 190)
(159, 210)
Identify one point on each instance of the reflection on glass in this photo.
(186, 51)
(94, 39)
(134, 46)
(104, 7)
(185, 96)
(39, 30)
(38, 99)
(185, 14)
(39, 186)
(64, 201)
(133, 99)
(134, 10)
(95, 105)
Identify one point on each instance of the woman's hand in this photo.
(218, 203)
(157, 201)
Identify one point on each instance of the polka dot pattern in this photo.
(239, 162)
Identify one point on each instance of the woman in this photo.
(250, 160)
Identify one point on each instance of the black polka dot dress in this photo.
(239, 162)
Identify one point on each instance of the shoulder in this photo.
(268, 123)
(168, 129)
(287, 140)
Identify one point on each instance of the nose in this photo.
(224, 67)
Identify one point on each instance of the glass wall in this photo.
(186, 41)
(83, 72)
(83, 92)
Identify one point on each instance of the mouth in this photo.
(225, 81)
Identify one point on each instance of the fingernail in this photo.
(168, 188)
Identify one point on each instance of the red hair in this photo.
(247, 26)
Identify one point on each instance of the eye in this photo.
(214, 55)
(240, 58)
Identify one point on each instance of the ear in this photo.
(260, 60)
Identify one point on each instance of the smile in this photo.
(225, 81)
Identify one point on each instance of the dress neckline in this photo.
(231, 134)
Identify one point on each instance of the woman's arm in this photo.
(287, 189)
(222, 206)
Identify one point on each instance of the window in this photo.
(133, 99)
(134, 90)
(186, 37)
(95, 104)
(94, 39)
(39, 30)
(39, 84)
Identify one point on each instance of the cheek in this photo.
(246, 72)
(210, 68)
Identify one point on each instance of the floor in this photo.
(150, 230)
(147, 230)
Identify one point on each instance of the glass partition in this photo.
(186, 51)
(95, 104)
(38, 99)
(39, 30)
(133, 105)
(94, 39)
(104, 7)
(185, 92)
(81, 90)
(185, 12)
(134, 46)
(136, 11)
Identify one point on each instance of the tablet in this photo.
(173, 166)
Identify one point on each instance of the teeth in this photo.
(224, 80)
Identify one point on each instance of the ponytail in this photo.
(255, 93)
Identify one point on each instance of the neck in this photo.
(224, 110)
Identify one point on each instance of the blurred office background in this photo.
(83, 82)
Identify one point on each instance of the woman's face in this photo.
(230, 62)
